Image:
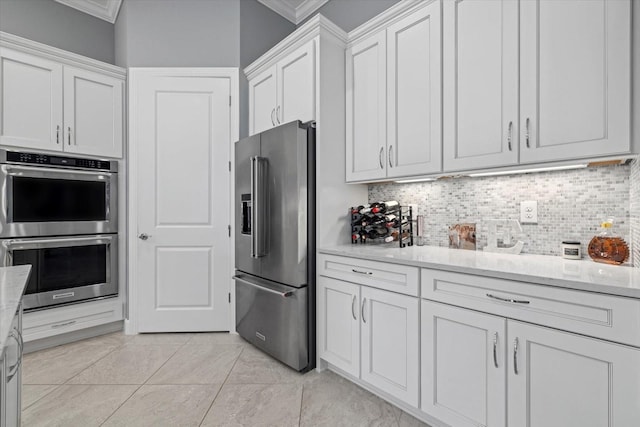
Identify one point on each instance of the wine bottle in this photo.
(396, 222)
(395, 234)
(385, 207)
(375, 233)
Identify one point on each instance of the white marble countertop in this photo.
(583, 274)
(13, 280)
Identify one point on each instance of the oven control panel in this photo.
(46, 159)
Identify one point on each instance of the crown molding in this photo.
(8, 40)
(316, 26)
(103, 9)
(294, 14)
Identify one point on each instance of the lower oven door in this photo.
(273, 317)
(65, 269)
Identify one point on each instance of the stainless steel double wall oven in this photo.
(59, 214)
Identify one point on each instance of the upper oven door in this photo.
(42, 201)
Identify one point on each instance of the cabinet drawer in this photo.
(46, 323)
(603, 316)
(392, 277)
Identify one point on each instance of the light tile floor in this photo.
(188, 380)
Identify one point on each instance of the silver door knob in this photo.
(143, 236)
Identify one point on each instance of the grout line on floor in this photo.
(121, 405)
(221, 385)
(90, 365)
(57, 386)
(301, 401)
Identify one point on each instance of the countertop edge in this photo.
(526, 278)
(13, 281)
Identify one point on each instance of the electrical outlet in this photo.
(529, 212)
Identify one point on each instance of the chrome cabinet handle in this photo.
(380, 157)
(278, 114)
(273, 122)
(514, 301)
(515, 356)
(62, 325)
(361, 272)
(143, 236)
(364, 301)
(58, 134)
(495, 349)
(69, 135)
(509, 135)
(13, 370)
(353, 308)
(526, 133)
(390, 156)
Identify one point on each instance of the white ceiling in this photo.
(295, 11)
(103, 9)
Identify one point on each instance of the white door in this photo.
(339, 324)
(390, 337)
(463, 366)
(182, 198)
(480, 83)
(560, 379)
(296, 85)
(93, 113)
(414, 128)
(262, 101)
(575, 78)
(31, 96)
(366, 82)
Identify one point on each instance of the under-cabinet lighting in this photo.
(542, 169)
(405, 181)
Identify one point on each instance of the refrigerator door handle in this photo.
(258, 200)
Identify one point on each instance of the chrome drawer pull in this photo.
(361, 272)
(514, 301)
(353, 308)
(364, 301)
(60, 325)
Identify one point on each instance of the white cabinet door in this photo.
(31, 96)
(463, 366)
(480, 83)
(296, 85)
(561, 379)
(575, 78)
(262, 101)
(366, 109)
(390, 337)
(93, 113)
(414, 139)
(339, 324)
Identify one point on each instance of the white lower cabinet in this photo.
(556, 378)
(484, 370)
(463, 366)
(371, 334)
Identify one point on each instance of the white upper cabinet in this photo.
(58, 101)
(414, 139)
(93, 113)
(31, 95)
(480, 62)
(394, 94)
(366, 108)
(262, 101)
(575, 79)
(285, 91)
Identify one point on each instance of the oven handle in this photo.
(12, 170)
(55, 242)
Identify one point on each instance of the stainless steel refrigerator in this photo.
(275, 242)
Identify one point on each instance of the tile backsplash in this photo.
(571, 205)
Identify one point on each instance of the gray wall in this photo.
(57, 25)
(178, 33)
(349, 14)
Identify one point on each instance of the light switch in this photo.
(529, 212)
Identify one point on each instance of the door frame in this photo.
(134, 76)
